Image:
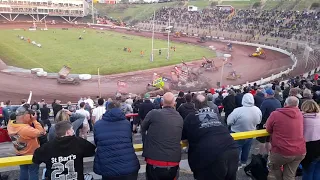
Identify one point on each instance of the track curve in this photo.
(16, 86)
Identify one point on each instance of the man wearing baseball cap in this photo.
(269, 105)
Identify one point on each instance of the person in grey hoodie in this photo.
(245, 118)
(213, 106)
(65, 115)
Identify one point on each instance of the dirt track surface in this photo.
(17, 86)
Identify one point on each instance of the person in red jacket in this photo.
(288, 145)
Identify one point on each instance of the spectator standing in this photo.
(115, 158)
(90, 102)
(36, 108)
(126, 108)
(64, 153)
(187, 107)
(238, 97)
(129, 100)
(307, 95)
(288, 147)
(296, 93)
(258, 98)
(76, 120)
(180, 99)
(161, 143)
(269, 105)
(25, 139)
(56, 107)
(6, 111)
(222, 155)
(218, 100)
(85, 128)
(45, 111)
(242, 119)
(286, 91)
(145, 107)
(98, 111)
(41, 103)
(277, 95)
(136, 119)
(229, 104)
(88, 108)
(311, 126)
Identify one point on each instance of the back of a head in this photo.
(310, 106)
(62, 116)
(168, 100)
(100, 101)
(248, 100)
(82, 104)
(200, 101)
(294, 91)
(62, 127)
(113, 104)
(307, 93)
(188, 98)
(292, 101)
(8, 102)
(181, 94)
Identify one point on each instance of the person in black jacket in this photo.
(64, 155)
(145, 107)
(258, 98)
(180, 99)
(45, 111)
(229, 104)
(56, 107)
(136, 119)
(187, 107)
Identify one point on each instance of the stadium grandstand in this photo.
(260, 121)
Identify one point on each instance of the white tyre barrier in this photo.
(42, 74)
(84, 76)
(35, 70)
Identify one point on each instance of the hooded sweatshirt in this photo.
(115, 154)
(25, 137)
(286, 128)
(185, 109)
(245, 118)
(64, 153)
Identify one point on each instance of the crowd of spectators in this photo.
(300, 25)
(288, 111)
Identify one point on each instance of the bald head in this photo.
(292, 101)
(168, 99)
(200, 101)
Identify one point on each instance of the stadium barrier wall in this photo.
(21, 160)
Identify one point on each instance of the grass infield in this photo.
(95, 50)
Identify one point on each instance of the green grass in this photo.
(93, 51)
(200, 3)
(304, 4)
(271, 4)
(131, 12)
(240, 4)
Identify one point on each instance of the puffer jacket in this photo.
(115, 155)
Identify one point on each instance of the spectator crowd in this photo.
(298, 25)
(288, 111)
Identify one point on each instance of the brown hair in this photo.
(62, 116)
(62, 127)
(310, 106)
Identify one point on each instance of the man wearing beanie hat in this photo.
(269, 105)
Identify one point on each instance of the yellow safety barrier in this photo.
(20, 160)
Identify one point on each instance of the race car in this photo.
(260, 53)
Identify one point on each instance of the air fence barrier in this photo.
(21, 160)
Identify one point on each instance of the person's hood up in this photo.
(210, 97)
(291, 112)
(260, 94)
(113, 115)
(248, 100)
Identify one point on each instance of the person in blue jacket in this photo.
(115, 157)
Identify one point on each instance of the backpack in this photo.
(257, 169)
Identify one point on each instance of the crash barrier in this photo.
(21, 160)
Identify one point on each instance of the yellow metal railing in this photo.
(20, 160)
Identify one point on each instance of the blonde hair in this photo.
(62, 116)
(310, 106)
